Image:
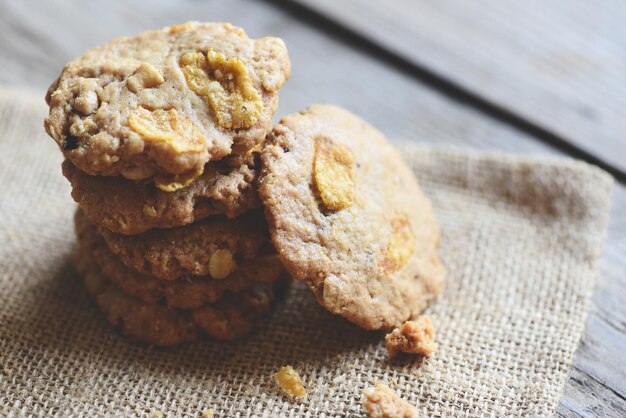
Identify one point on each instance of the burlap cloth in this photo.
(521, 240)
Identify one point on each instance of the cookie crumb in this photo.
(6, 371)
(207, 414)
(290, 382)
(382, 402)
(413, 337)
(158, 415)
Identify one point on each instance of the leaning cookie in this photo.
(132, 207)
(215, 247)
(187, 293)
(347, 217)
(233, 316)
(161, 104)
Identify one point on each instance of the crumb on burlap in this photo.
(290, 382)
(207, 414)
(382, 402)
(158, 415)
(6, 371)
(413, 337)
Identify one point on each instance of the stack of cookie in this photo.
(169, 152)
(161, 133)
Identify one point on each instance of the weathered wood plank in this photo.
(38, 38)
(323, 71)
(597, 384)
(559, 65)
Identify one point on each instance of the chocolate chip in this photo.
(70, 143)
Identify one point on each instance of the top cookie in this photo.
(162, 103)
(347, 217)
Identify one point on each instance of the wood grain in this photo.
(559, 65)
(39, 37)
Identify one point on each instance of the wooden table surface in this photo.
(534, 77)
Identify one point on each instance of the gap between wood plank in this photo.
(441, 84)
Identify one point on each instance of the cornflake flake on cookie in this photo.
(226, 84)
(333, 172)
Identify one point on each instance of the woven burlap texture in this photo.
(520, 237)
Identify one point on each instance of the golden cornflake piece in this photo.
(382, 402)
(145, 77)
(290, 381)
(207, 414)
(226, 84)
(171, 183)
(138, 172)
(254, 150)
(413, 337)
(221, 264)
(181, 27)
(400, 245)
(167, 126)
(333, 172)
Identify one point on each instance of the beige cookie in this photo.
(128, 207)
(382, 402)
(161, 104)
(347, 217)
(216, 247)
(187, 293)
(233, 316)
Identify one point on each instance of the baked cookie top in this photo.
(346, 216)
(162, 103)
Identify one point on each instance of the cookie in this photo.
(347, 217)
(413, 337)
(226, 187)
(161, 104)
(187, 293)
(215, 247)
(233, 316)
(381, 401)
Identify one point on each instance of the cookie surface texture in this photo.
(187, 293)
(233, 316)
(215, 247)
(347, 217)
(161, 104)
(132, 207)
